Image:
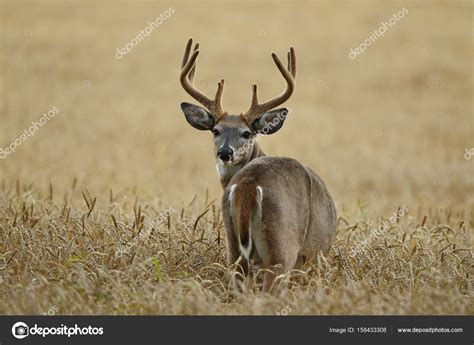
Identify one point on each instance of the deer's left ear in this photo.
(271, 121)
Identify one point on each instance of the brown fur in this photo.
(245, 201)
(298, 215)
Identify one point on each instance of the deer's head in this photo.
(232, 132)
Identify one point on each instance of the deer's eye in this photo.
(216, 132)
(246, 135)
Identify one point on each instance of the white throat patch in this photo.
(226, 170)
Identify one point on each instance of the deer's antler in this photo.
(289, 74)
(188, 67)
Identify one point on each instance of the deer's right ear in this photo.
(197, 116)
(271, 121)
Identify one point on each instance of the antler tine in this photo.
(188, 67)
(191, 74)
(254, 96)
(292, 62)
(289, 75)
(288, 56)
(187, 50)
(219, 92)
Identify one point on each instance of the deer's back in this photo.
(297, 209)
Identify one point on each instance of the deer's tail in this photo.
(246, 211)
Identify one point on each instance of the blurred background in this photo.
(385, 129)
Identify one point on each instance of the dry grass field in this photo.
(112, 206)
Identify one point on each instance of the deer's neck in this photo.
(227, 171)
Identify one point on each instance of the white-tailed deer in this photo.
(277, 213)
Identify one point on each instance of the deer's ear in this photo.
(197, 116)
(271, 121)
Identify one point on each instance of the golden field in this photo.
(112, 207)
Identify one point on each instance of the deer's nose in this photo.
(225, 154)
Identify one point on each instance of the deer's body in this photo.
(277, 213)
